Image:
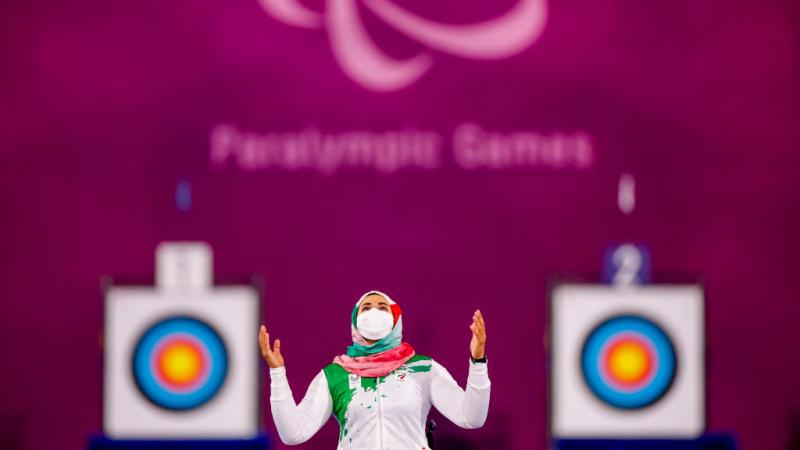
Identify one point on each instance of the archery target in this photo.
(627, 362)
(181, 365)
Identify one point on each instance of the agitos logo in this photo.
(366, 64)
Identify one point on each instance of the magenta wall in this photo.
(107, 105)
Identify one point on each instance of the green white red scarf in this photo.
(382, 357)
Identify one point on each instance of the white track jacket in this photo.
(383, 413)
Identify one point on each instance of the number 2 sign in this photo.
(626, 264)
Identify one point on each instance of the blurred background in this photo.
(454, 154)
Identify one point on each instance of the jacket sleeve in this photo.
(467, 409)
(297, 423)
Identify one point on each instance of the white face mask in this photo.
(374, 324)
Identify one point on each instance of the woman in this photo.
(380, 391)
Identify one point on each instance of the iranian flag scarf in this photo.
(382, 357)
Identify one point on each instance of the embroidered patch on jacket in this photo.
(355, 381)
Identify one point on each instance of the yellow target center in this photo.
(629, 362)
(181, 363)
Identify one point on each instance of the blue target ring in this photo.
(192, 352)
(654, 361)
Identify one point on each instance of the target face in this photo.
(628, 362)
(180, 363)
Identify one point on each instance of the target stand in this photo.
(719, 442)
(181, 364)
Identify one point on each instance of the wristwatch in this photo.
(479, 360)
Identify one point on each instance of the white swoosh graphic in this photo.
(292, 12)
(361, 59)
(493, 39)
(366, 64)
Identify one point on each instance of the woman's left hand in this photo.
(478, 344)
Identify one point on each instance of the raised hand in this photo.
(477, 346)
(271, 355)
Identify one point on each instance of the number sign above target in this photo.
(626, 264)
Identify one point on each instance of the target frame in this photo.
(576, 308)
(232, 307)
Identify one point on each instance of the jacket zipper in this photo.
(380, 414)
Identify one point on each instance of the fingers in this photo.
(478, 326)
(477, 333)
(477, 320)
(277, 348)
(263, 340)
(477, 316)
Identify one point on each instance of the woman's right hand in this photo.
(271, 355)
